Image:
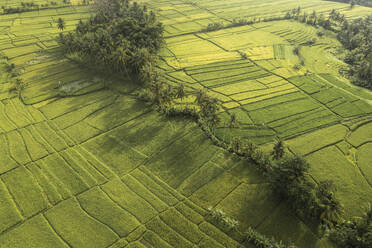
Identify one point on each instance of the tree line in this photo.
(356, 36)
(31, 6)
(352, 3)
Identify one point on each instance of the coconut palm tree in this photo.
(181, 92)
(200, 97)
(61, 24)
(278, 150)
(331, 213)
(233, 123)
(331, 209)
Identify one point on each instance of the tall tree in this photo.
(278, 150)
(61, 24)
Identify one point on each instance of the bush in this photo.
(296, 50)
(213, 27)
(261, 241)
(288, 170)
(310, 42)
(278, 150)
(222, 219)
(288, 178)
(320, 33)
(243, 55)
(297, 67)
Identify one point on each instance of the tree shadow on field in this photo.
(182, 158)
(120, 128)
(284, 225)
(51, 74)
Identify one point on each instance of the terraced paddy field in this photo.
(83, 163)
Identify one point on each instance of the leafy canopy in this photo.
(122, 36)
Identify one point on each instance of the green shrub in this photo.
(213, 27)
(278, 150)
(222, 219)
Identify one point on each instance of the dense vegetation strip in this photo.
(352, 3)
(31, 6)
(356, 37)
(356, 232)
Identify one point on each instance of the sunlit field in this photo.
(84, 163)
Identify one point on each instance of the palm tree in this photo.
(200, 97)
(278, 150)
(213, 121)
(364, 224)
(156, 88)
(331, 209)
(235, 144)
(181, 92)
(61, 24)
(352, 4)
(233, 123)
(331, 213)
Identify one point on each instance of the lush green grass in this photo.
(295, 231)
(352, 188)
(100, 206)
(318, 139)
(34, 233)
(361, 135)
(364, 161)
(9, 213)
(68, 217)
(26, 192)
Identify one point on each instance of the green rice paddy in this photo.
(83, 164)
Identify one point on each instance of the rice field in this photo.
(84, 164)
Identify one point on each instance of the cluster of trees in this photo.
(356, 36)
(12, 74)
(122, 37)
(61, 24)
(213, 27)
(354, 233)
(29, 6)
(335, 18)
(209, 107)
(237, 22)
(262, 241)
(220, 218)
(352, 3)
(290, 179)
(163, 96)
(24, 8)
